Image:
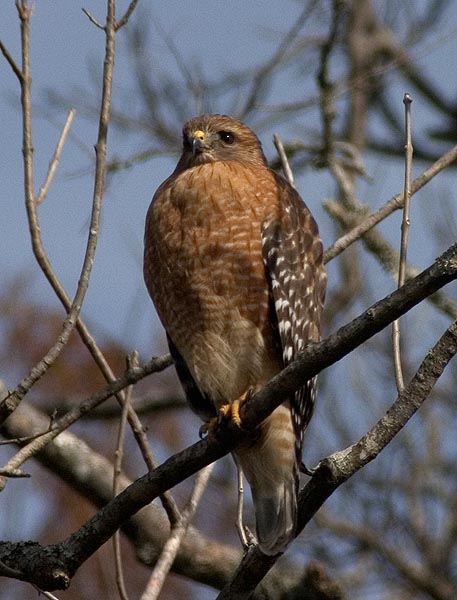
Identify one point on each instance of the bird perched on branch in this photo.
(233, 264)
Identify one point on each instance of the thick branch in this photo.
(89, 473)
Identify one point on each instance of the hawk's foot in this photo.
(227, 412)
(232, 411)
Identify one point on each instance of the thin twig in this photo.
(130, 377)
(55, 159)
(132, 363)
(388, 257)
(326, 95)
(390, 206)
(92, 19)
(13, 400)
(128, 13)
(167, 500)
(404, 239)
(13, 473)
(151, 402)
(30, 438)
(177, 533)
(407, 191)
(251, 97)
(69, 324)
(343, 174)
(16, 70)
(284, 160)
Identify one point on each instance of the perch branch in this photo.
(52, 567)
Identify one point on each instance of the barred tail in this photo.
(270, 466)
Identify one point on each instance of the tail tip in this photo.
(275, 522)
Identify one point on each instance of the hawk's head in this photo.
(210, 138)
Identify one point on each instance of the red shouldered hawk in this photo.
(233, 264)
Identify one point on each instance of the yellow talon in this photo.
(230, 411)
(235, 410)
(224, 411)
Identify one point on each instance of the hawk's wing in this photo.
(292, 253)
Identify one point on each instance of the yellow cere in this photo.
(199, 134)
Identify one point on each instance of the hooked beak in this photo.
(198, 141)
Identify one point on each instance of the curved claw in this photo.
(307, 470)
(209, 428)
(203, 431)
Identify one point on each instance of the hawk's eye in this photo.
(227, 137)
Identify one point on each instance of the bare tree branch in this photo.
(12, 63)
(53, 567)
(389, 258)
(73, 308)
(389, 207)
(404, 238)
(56, 156)
(130, 377)
(128, 13)
(199, 557)
(177, 533)
(421, 578)
(43, 365)
(131, 362)
(284, 160)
